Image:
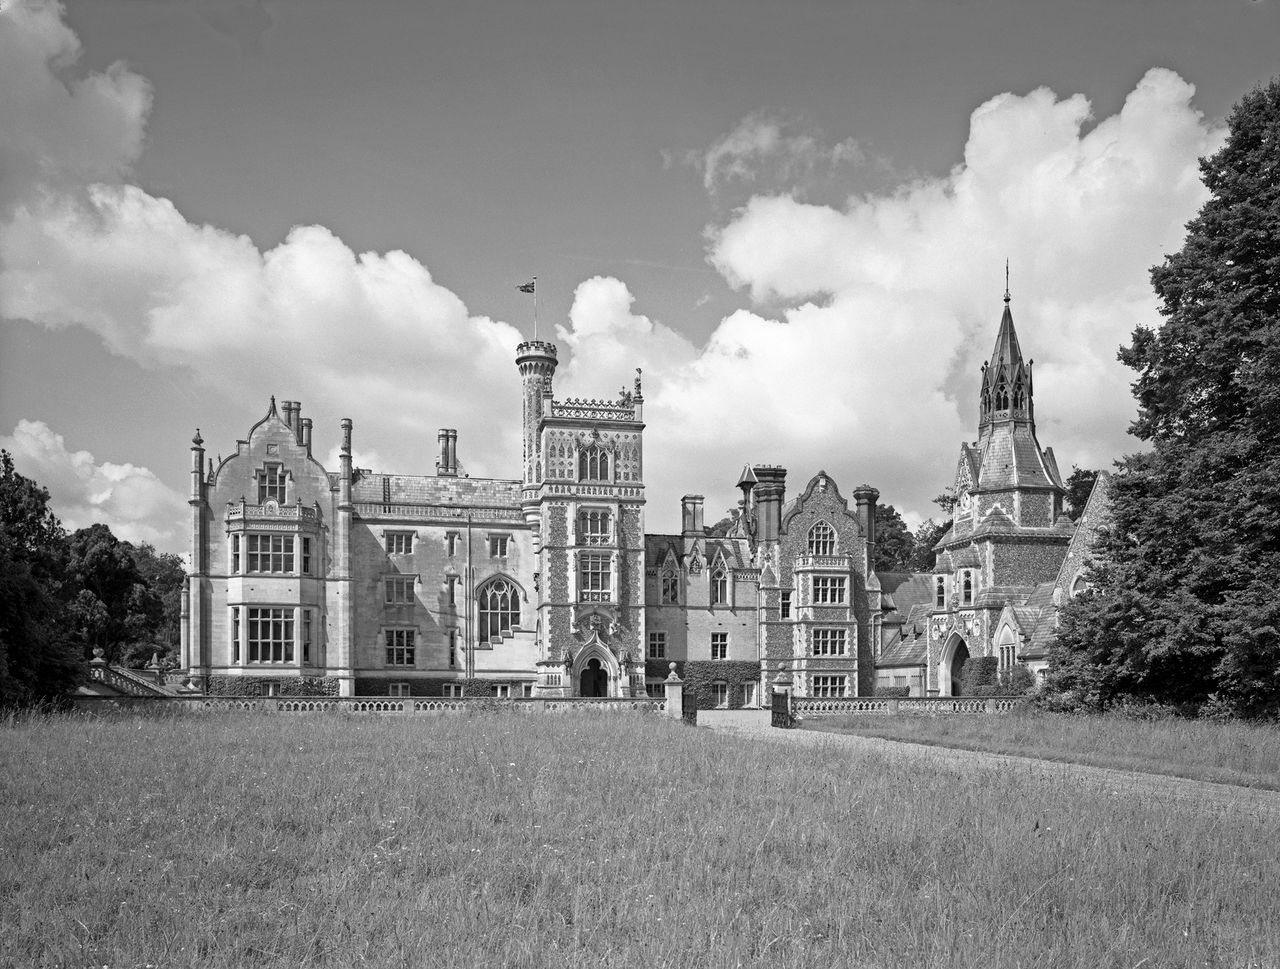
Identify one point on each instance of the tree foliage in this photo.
(895, 545)
(1079, 487)
(38, 659)
(1185, 608)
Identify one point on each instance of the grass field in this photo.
(590, 840)
(1234, 753)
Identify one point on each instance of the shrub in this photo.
(979, 671)
(1017, 681)
(892, 691)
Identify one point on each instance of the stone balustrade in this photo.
(804, 707)
(403, 706)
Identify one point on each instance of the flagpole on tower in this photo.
(532, 287)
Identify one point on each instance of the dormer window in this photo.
(719, 586)
(670, 586)
(822, 539)
(271, 484)
(593, 464)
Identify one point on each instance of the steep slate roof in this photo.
(902, 591)
(904, 651)
(432, 490)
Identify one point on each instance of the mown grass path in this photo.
(1254, 802)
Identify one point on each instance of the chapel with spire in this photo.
(1006, 544)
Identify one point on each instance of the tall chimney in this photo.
(286, 411)
(306, 434)
(769, 491)
(447, 465)
(297, 421)
(691, 516)
(866, 497)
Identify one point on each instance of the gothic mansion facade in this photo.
(307, 580)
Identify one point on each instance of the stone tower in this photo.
(583, 494)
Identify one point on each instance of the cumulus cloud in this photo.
(135, 503)
(859, 354)
(310, 318)
(890, 302)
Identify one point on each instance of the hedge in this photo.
(892, 691)
(698, 675)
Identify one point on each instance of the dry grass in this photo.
(1236, 753)
(590, 840)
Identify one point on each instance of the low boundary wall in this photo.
(401, 706)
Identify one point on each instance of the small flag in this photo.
(530, 287)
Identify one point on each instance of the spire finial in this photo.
(1006, 282)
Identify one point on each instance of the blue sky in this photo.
(794, 216)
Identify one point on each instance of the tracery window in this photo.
(499, 609)
(822, 539)
(593, 528)
(670, 586)
(593, 464)
(1002, 395)
(719, 586)
(966, 588)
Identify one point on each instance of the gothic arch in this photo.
(950, 664)
(595, 649)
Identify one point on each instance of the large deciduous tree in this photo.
(895, 545)
(1185, 606)
(38, 658)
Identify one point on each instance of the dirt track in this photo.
(1209, 796)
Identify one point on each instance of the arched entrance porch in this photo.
(954, 655)
(595, 671)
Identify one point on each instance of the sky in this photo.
(794, 217)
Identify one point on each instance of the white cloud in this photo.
(861, 355)
(767, 149)
(891, 302)
(136, 504)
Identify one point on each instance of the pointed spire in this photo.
(1006, 377)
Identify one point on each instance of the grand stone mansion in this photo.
(308, 580)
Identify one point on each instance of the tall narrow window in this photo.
(940, 591)
(271, 481)
(670, 586)
(657, 645)
(235, 634)
(453, 647)
(719, 645)
(498, 546)
(593, 528)
(595, 577)
(593, 464)
(822, 539)
(499, 610)
(306, 556)
(785, 607)
(719, 586)
(306, 635)
(235, 554)
(451, 544)
(966, 588)
(720, 694)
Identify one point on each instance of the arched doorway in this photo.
(593, 681)
(954, 655)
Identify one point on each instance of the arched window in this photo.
(499, 609)
(1002, 395)
(1018, 396)
(593, 464)
(966, 588)
(1079, 585)
(719, 586)
(670, 586)
(822, 539)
